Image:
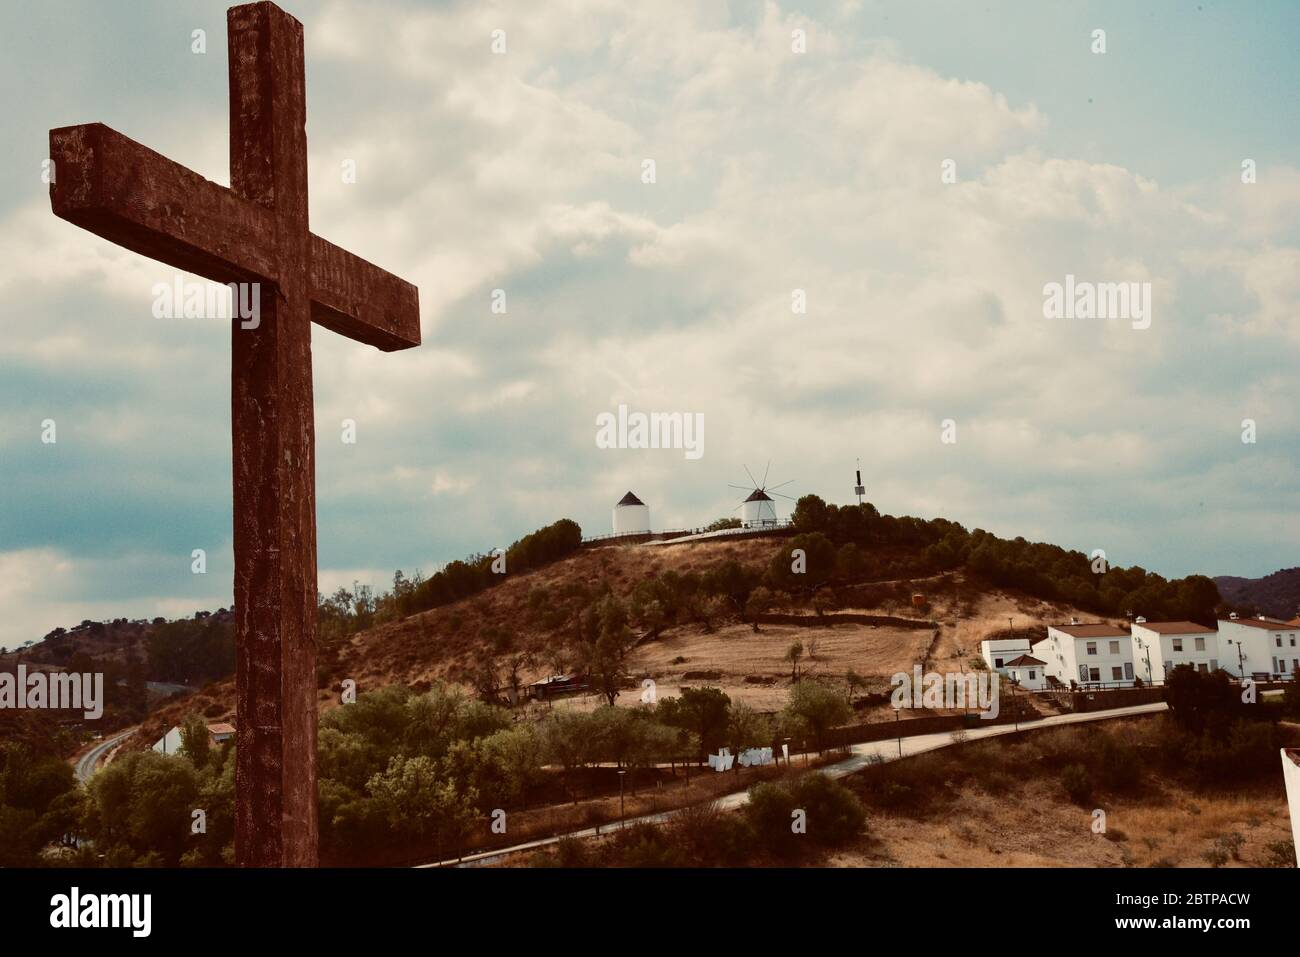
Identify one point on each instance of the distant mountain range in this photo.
(1277, 594)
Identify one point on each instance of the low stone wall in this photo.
(816, 621)
(1115, 698)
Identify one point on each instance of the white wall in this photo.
(1259, 646)
(631, 518)
(1064, 655)
(1029, 677)
(169, 743)
(1164, 658)
(1057, 650)
(757, 513)
(1003, 649)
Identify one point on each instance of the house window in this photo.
(1214, 664)
(1116, 674)
(1032, 675)
(997, 662)
(1128, 671)
(1293, 641)
(1092, 647)
(1279, 641)
(1094, 674)
(1203, 668)
(1114, 647)
(1200, 644)
(1178, 644)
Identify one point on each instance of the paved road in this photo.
(862, 756)
(87, 763)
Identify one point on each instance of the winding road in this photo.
(862, 756)
(89, 761)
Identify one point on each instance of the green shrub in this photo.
(1077, 783)
(1118, 765)
(832, 813)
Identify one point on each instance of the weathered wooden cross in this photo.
(255, 232)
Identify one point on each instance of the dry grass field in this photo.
(446, 643)
(1003, 803)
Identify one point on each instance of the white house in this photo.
(758, 510)
(631, 516)
(1161, 646)
(1027, 672)
(996, 652)
(1087, 654)
(169, 743)
(1258, 646)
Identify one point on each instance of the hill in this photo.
(846, 594)
(536, 623)
(1277, 594)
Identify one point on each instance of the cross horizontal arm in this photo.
(116, 188)
(359, 300)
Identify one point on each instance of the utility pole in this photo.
(621, 775)
(1241, 661)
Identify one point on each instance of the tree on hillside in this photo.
(196, 743)
(760, 600)
(567, 741)
(733, 582)
(816, 709)
(653, 606)
(746, 728)
(812, 566)
(793, 654)
(604, 641)
(421, 801)
(853, 682)
(718, 524)
(140, 809)
(1198, 699)
(704, 712)
(486, 679)
(515, 665)
(809, 514)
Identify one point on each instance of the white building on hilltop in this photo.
(1258, 646)
(758, 510)
(631, 516)
(1161, 646)
(1087, 654)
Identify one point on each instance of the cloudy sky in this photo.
(775, 171)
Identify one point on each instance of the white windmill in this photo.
(631, 516)
(759, 509)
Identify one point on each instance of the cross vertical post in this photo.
(274, 447)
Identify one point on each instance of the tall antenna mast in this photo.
(859, 489)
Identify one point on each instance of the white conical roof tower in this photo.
(631, 516)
